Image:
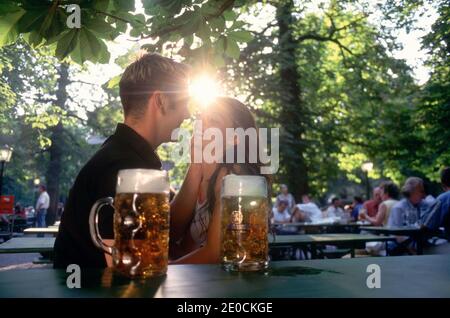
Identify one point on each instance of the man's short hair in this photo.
(334, 199)
(43, 187)
(149, 73)
(445, 177)
(410, 185)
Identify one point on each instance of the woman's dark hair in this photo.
(334, 200)
(391, 189)
(358, 199)
(241, 117)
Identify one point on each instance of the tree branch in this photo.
(317, 37)
(112, 16)
(270, 25)
(82, 120)
(83, 82)
(352, 23)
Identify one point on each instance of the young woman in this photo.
(389, 196)
(195, 210)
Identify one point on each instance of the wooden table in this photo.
(42, 230)
(28, 245)
(405, 276)
(322, 227)
(348, 240)
(414, 232)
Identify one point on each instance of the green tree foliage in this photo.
(196, 27)
(433, 116)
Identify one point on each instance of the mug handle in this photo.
(93, 224)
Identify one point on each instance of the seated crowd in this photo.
(390, 207)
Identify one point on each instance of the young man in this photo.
(154, 95)
(335, 210)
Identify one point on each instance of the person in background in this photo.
(429, 198)
(60, 211)
(407, 212)
(357, 205)
(438, 214)
(307, 211)
(42, 205)
(389, 195)
(280, 213)
(286, 196)
(371, 206)
(335, 210)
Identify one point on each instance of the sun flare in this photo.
(203, 90)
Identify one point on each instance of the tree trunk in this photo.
(56, 149)
(292, 133)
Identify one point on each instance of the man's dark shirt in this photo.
(97, 179)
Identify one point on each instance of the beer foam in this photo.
(243, 185)
(142, 181)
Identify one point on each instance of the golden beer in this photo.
(244, 228)
(141, 232)
(141, 223)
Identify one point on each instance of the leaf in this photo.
(232, 49)
(219, 45)
(67, 43)
(114, 82)
(121, 26)
(124, 5)
(102, 5)
(237, 25)
(54, 23)
(208, 9)
(104, 55)
(88, 46)
(190, 26)
(229, 15)
(35, 39)
(217, 24)
(8, 7)
(8, 27)
(204, 32)
(135, 32)
(241, 36)
(100, 27)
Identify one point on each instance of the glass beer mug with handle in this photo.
(244, 223)
(141, 223)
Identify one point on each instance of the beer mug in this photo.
(141, 223)
(244, 223)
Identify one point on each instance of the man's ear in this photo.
(159, 100)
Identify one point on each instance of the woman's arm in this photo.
(378, 219)
(210, 252)
(183, 205)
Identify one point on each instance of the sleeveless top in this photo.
(200, 223)
(389, 204)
